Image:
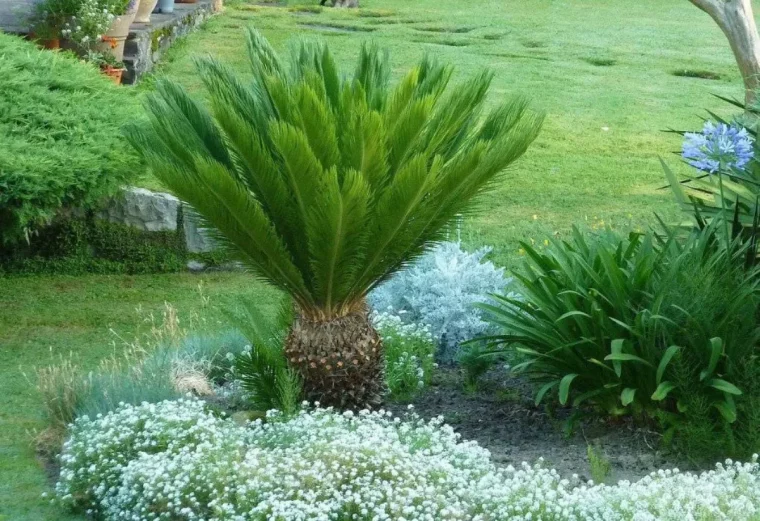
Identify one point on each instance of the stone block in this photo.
(143, 209)
(196, 239)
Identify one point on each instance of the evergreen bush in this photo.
(60, 129)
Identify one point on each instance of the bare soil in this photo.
(502, 417)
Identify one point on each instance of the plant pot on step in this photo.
(144, 10)
(164, 7)
(113, 72)
(113, 40)
(50, 44)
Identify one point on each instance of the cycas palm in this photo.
(326, 185)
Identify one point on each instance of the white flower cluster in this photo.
(396, 327)
(99, 452)
(175, 461)
(409, 354)
(89, 25)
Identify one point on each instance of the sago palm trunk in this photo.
(340, 360)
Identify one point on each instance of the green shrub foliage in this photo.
(85, 244)
(647, 325)
(61, 143)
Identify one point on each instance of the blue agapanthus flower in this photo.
(718, 147)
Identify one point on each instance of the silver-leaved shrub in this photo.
(175, 461)
(440, 290)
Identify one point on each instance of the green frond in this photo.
(263, 58)
(326, 184)
(407, 130)
(338, 231)
(454, 117)
(372, 151)
(373, 74)
(195, 120)
(229, 92)
(318, 126)
(300, 167)
(330, 77)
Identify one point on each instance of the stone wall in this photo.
(13, 14)
(156, 212)
(146, 43)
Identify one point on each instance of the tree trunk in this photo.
(340, 360)
(736, 20)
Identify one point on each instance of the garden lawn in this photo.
(600, 69)
(44, 317)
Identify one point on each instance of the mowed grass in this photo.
(42, 318)
(601, 70)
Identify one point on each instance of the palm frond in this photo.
(326, 184)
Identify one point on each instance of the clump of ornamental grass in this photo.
(164, 361)
(660, 328)
(60, 386)
(176, 460)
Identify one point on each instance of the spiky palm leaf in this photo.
(263, 371)
(325, 185)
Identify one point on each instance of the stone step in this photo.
(146, 43)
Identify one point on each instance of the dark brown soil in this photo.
(501, 417)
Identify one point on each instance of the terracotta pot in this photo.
(144, 10)
(113, 40)
(52, 44)
(113, 73)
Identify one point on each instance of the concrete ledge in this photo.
(13, 14)
(147, 42)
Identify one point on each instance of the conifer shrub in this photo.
(60, 129)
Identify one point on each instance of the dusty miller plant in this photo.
(441, 290)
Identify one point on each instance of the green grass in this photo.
(602, 70)
(41, 315)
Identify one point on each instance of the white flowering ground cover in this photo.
(177, 461)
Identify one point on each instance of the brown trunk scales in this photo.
(340, 360)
